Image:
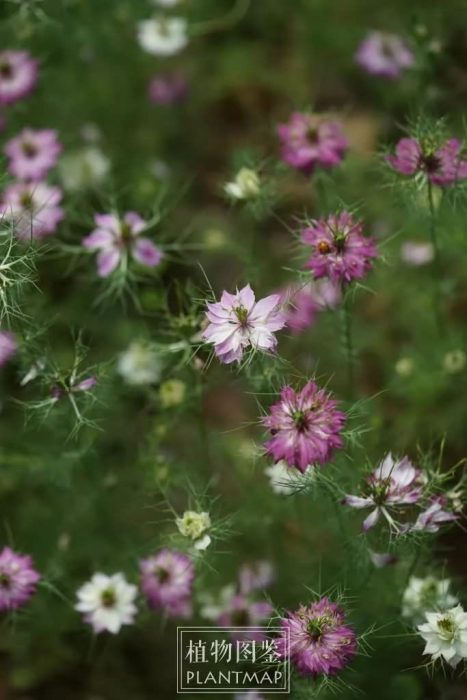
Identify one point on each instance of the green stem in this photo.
(346, 318)
(436, 267)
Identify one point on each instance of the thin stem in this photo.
(346, 319)
(436, 267)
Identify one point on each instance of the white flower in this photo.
(211, 607)
(284, 479)
(454, 361)
(163, 36)
(405, 366)
(139, 364)
(83, 168)
(245, 186)
(423, 593)
(172, 392)
(166, 3)
(107, 602)
(194, 526)
(445, 634)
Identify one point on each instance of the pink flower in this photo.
(340, 251)
(115, 238)
(18, 75)
(240, 611)
(417, 253)
(33, 209)
(167, 88)
(238, 322)
(320, 641)
(305, 426)
(394, 483)
(74, 387)
(32, 153)
(18, 579)
(303, 302)
(384, 54)
(167, 581)
(8, 346)
(442, 166)
(255, 577)
(431, 519)
(309, 141)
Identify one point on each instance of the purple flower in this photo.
(167, 580)
(303, 302)
(73, 387)
(115, 237)
(320, 641)
(384, 54)
(33, 208)
(305, 426)
(431, 519)
(442, 165)
(340, 251)
(238, 321)
(393, 483)
(167, 88)
(255, 577)
(18, 579)
(8, 346)
(32, 153)
(18, 75)
(240, 611)
(417, 253)
(309, 141)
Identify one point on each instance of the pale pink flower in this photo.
(32, 153)
(8, 346)
(384, 54)
(436, 515)
(18, 75)
(33, 209)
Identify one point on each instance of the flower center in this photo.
(26, 200)
(6, 70)
(380, 491)
(29, 149)
(316, 627)
(447, 628)
(339, 240)
(312, 134)
(300, 419)
(323, 247)
(126, 232)
(5, 581)
(108, 598)
(162, 575)
(240, 617)
(242, 315)
(431, 163)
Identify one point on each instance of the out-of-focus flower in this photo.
(395, 482)
(436, 515)
(172, 392)
(212, 606)
(384, 54)
(320, 641)
(305, 426)
(139, 364)
(310, 140)
(417, 253)
(238, 322)
(83, 168)
(18, 75)
(107, 602)
(195, 525)
(382, 559)
(8, 346)
(246, 185)
(166, 3)
(445, 634)
(454, 361)
(282, 478)
(33, 209)
(73, 387)
(167, 88)
(115, 238)
(340, 251)
(32, 153)
(18, 579)
(241, 611)
(167, 581)
(441, 165)
(163, 36)
(424, 594)
(405, 366)
(256, 576)
(302, 302)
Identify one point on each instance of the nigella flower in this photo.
(320, 641)
(167, 581)
(305, 426)
(195, 526)
(107, 602)
(340, 251)
(394, 483)
(83, 168)
(428, 593)
(238, 322)
(163, 36)
(18, 76)
(241, 611)
(441, 165)
(309, 140)
(33, 209)
(73, 386)
(436, 515)
(417, 253)
(140, 364)
(303, 302)
(445, 634)
(32, 153)
(8, 346)
(115, 238)
(18, 579)
(167, 88)
(384, 54)
(256, 576)
(246, 185)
